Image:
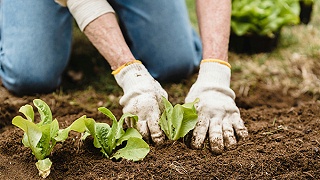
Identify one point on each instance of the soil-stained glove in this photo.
(142, 97)
(218, 115)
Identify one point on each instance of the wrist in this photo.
(133, 75)
(120, 67)
(217, 61)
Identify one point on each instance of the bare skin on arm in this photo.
(105, 34)
(214, 24)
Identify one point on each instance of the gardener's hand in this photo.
(218, 115)
(142, 97)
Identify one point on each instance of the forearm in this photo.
(214, 23)
(105, 34)
(97, 20)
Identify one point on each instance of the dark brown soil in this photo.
(283, 143)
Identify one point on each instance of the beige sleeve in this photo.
(85, 11)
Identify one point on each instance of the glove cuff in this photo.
(217, 61)
(124, 65)
(132, 74)
(214, 73)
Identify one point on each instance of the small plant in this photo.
(177, 121)
(41, 137)
(108, 139)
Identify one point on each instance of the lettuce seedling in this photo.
(177, 121)
(109, 138)
(41, 137)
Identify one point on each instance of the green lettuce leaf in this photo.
(32, 135)
(135, 150)
(44, 111)
(177, 121)
(105, 137)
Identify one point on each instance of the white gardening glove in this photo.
(142, 97)
(218, 115)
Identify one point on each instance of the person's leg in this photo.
(35, 44)
(159, 34)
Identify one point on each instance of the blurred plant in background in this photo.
(263, 17)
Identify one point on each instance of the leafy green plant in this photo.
(41, 137)
(263, 17)
(177, 121)
(109, 139)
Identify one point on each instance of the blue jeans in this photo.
(35, 41)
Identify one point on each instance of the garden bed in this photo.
(283, 143)
(284, 131)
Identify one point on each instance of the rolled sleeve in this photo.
(85, 11)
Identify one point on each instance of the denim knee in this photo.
(29, 82)
(176, 67)
(34, 71)
(35, 45)
(176, 60)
